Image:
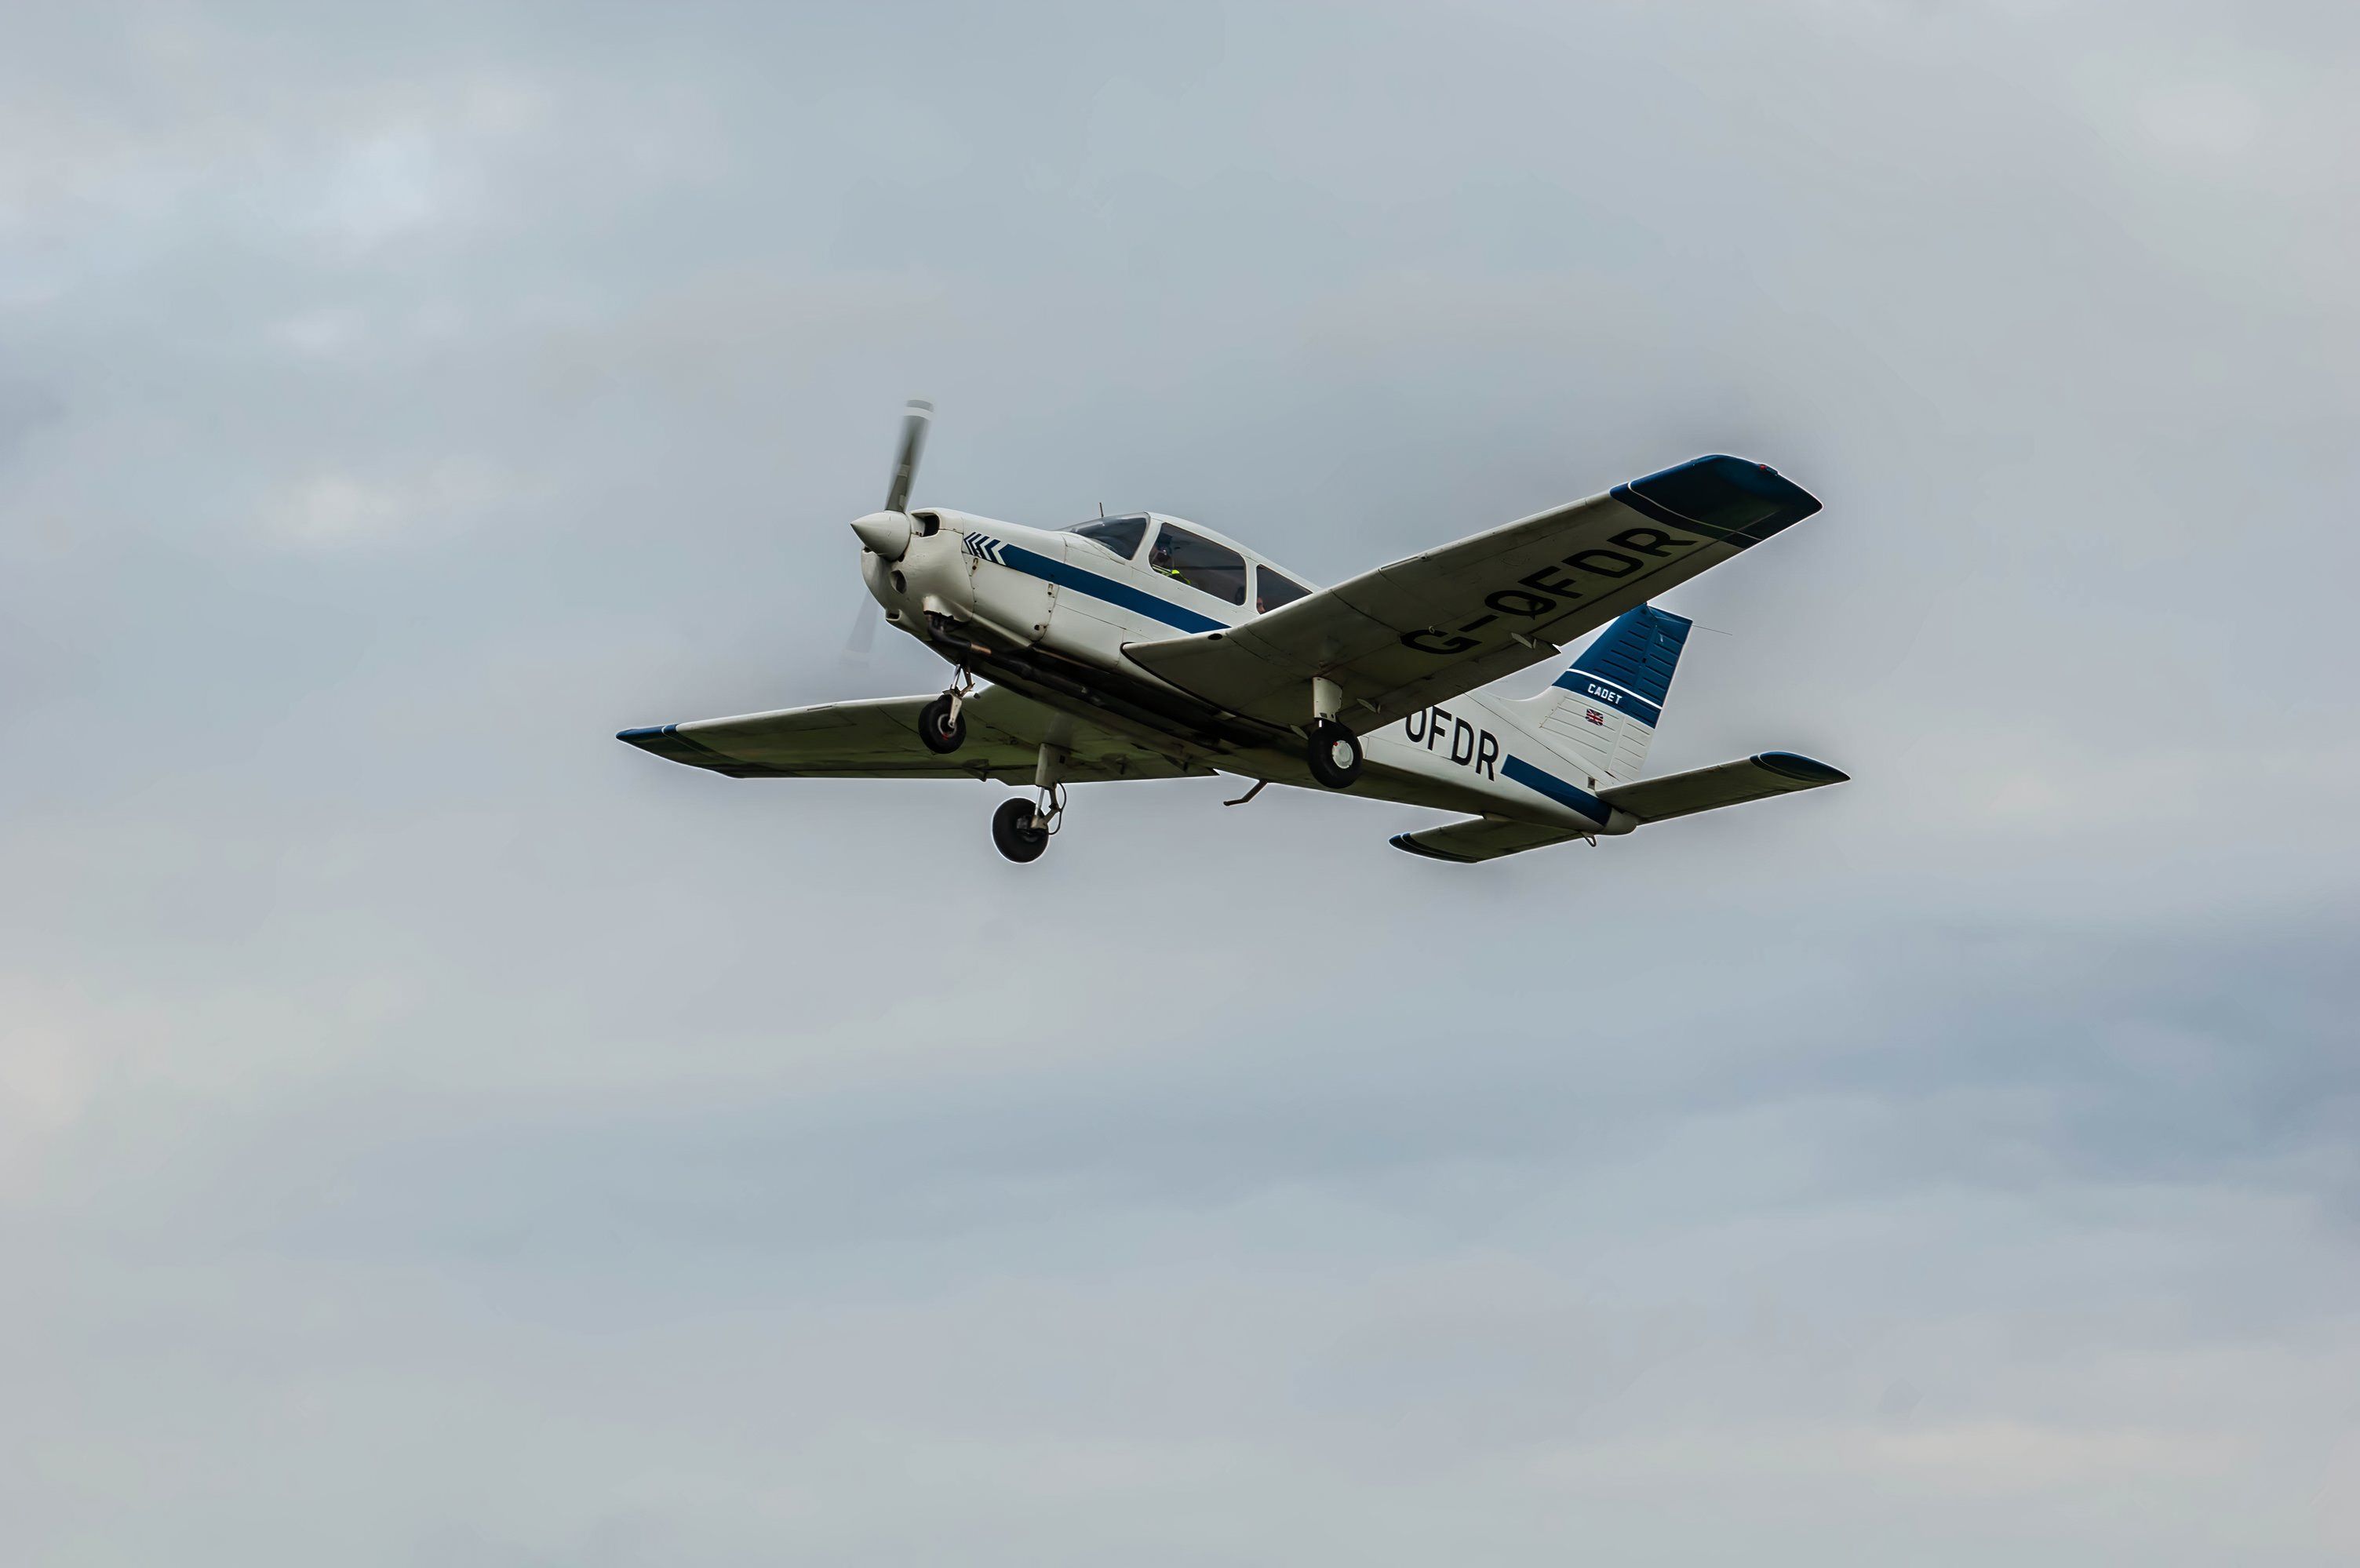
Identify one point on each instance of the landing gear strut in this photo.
(1021, 829)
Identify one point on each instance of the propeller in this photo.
(887, 532)
(854, 659)
(914, 420)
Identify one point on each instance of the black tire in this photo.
(1013, 834)
(1334, 755)
(942, 733)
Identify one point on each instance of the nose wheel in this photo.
(941, 726)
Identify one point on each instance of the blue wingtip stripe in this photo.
(1808, 771)
(1737, 502)
(1655, 512)
(1409, 841)
(667, 742)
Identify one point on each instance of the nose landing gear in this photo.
(940, 723)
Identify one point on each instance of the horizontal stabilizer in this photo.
(1729, 784)
(1481, 838)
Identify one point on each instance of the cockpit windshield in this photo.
(1120, 535)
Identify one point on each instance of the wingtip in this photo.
(1806, 770)
(1744, 502)
(1409, 841)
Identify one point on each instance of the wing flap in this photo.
(1727, 784)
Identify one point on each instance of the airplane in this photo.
(1143, 646)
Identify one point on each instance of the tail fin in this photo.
(1603, 711)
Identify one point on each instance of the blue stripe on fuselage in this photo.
(1051, 570)
(1517, 771)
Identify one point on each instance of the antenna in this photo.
(1102, 508)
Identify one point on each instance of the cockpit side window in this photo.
(1210, 568)
(1272, 589)
(1120, 535)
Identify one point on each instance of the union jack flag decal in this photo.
(1594, 716)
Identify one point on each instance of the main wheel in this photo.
(943, 731)
(1335, 755)
(1013, 834)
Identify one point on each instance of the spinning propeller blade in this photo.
(914, 420)
(854, 659)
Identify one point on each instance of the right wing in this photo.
(1423, 630)
(879, 740)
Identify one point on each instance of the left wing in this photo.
(879, 740)
(1423, 630)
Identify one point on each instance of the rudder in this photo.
(1603, 711)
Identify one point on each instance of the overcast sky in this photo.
(433, 1133)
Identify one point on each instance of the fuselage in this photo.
(1049, 612)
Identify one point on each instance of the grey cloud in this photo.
(429, 1130)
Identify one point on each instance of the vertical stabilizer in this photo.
(1603, 711)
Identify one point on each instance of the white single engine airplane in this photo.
(1144, 647)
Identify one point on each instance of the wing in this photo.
(1727, 784)
(1423, 630)
(879, 740)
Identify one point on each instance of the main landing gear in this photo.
(1021, 829)
(1335, 755)
(1335, 751)
(1017, 833)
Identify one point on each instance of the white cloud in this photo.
(336, 508)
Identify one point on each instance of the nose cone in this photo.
(886, 533)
